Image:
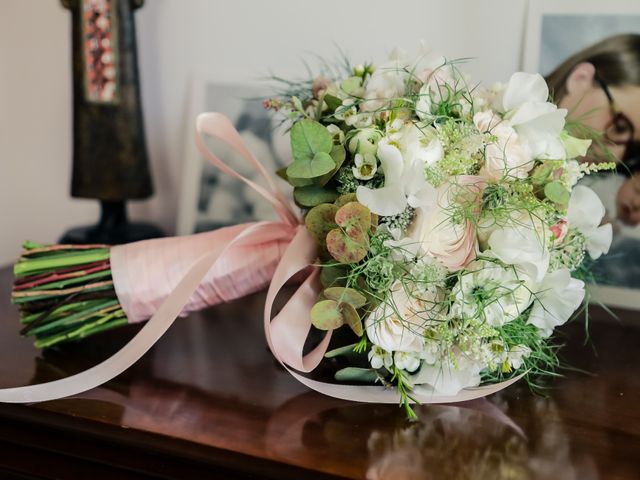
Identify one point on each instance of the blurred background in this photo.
(233, 42)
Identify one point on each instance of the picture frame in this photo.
(555, 30)
(209, 198)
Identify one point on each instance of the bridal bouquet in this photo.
(443, 230)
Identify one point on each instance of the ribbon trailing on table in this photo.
(164, 278)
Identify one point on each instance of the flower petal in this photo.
(383, 201)
(391, 160)
(558, 297)
(524, 87)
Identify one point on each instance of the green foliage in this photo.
(350, 242)
(327, 315)
(313, 195)
(347, 295)
(557, 193)
(320, 220)
(338, 155)
(311, 145)
(355, 374)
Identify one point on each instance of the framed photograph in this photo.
(209, 198)
(555, 31)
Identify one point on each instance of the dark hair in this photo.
(617, 63)
(616, 59)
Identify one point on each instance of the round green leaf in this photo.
(309, 137)
(319, 221)
(312, 195)
(351, 318)
(312, 167)
(346, 295)
(557, 192)
(326, 315)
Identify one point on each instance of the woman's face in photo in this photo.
(587, 103)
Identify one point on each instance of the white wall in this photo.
(236, 40)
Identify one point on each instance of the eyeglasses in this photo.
(620, 129)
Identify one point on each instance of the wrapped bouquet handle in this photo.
(218, 266)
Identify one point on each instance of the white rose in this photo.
(398, 324)
(387, 83)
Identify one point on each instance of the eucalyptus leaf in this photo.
(347, 295)
(338, 154)
(355, 374)
(316, 166)
(557, 192)
(333, 275)
(332, 101)
(336, 352)
(351, 86)
(326, 315)
(309, 137)
(312, 195)
(295, 182)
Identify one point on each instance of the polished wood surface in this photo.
(209, 401)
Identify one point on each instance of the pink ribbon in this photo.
(168, 277)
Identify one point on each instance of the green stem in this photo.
(72, 281)
(104, 323)
(74, 318)
(29, 266)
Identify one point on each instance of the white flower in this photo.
(365, 141)
(491, 292)
(523, 246)
(404, 183)
(507, 156)
(557, 297)
(572, 173)
(451, 375)
(387, 83)
(430, 150)
(379, 357)
(337, 133)
(347, 111)
(365, 166)
(398, 324)
(424, 103)
(516, 355)
(536, 120)
(574, 147)
(407, 361)
(585, 213)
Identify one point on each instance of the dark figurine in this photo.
(110, 161)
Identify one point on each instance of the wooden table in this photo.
(209, 401)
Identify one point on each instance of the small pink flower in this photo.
(320, 84)
(560, 230)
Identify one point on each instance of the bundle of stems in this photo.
(65, 292)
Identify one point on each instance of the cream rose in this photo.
(398, 324)
(506, 156)
(447, 233)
